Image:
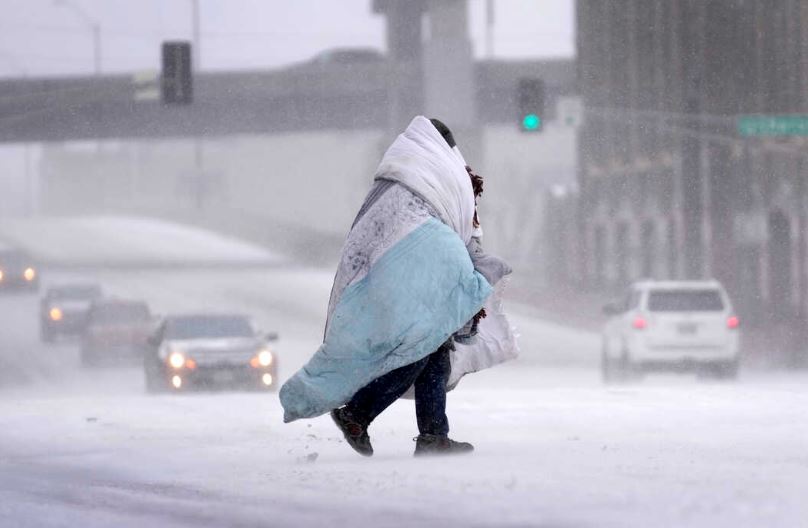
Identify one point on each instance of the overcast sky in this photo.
(48, 37)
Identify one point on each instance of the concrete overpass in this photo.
(303, 97)
(254, 182)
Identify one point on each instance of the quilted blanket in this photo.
(405, 281)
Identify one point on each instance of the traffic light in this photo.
(530, 102)
(177, 82)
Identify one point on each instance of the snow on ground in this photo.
(555, 448)
(116, 240)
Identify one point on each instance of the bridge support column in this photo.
(404, 21)
(448, 64)
(449, 82)
(432, 74)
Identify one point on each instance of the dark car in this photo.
(17, 271)
(64, 308)
(209, 350)
(117, 331)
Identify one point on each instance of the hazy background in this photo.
(48, 38)
(239, 202)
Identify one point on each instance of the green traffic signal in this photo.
(531, 122)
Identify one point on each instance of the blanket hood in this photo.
(421, 160)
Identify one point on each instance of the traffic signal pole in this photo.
(692, 197)
(489, 29)
(195, 34)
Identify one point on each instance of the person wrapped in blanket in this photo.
(429, 375)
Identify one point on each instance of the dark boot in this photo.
(427, 444)
(356, 433)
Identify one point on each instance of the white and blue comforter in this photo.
(405, 282)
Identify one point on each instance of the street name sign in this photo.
(773, 125)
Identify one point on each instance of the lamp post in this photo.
(199, 162)
(489, 29)
(195, 51)
(92, 24)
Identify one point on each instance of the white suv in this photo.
(671, 325)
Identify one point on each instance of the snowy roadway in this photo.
(555, 448)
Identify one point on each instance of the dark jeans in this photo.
(429, 376)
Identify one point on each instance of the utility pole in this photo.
(198, 178)
(489, 29)
(196, 52)
(693, 172)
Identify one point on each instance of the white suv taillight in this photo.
(733, 323)
(639, 323)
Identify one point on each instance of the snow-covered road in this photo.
(555, 448)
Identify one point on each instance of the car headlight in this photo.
(1, 275)
(176, 360)
(55, 314)
(29, 274)
(265, 358)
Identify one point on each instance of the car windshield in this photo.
(12, 259)
(685, 301)
(208, 327)
(121, 313)
(75, 292)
